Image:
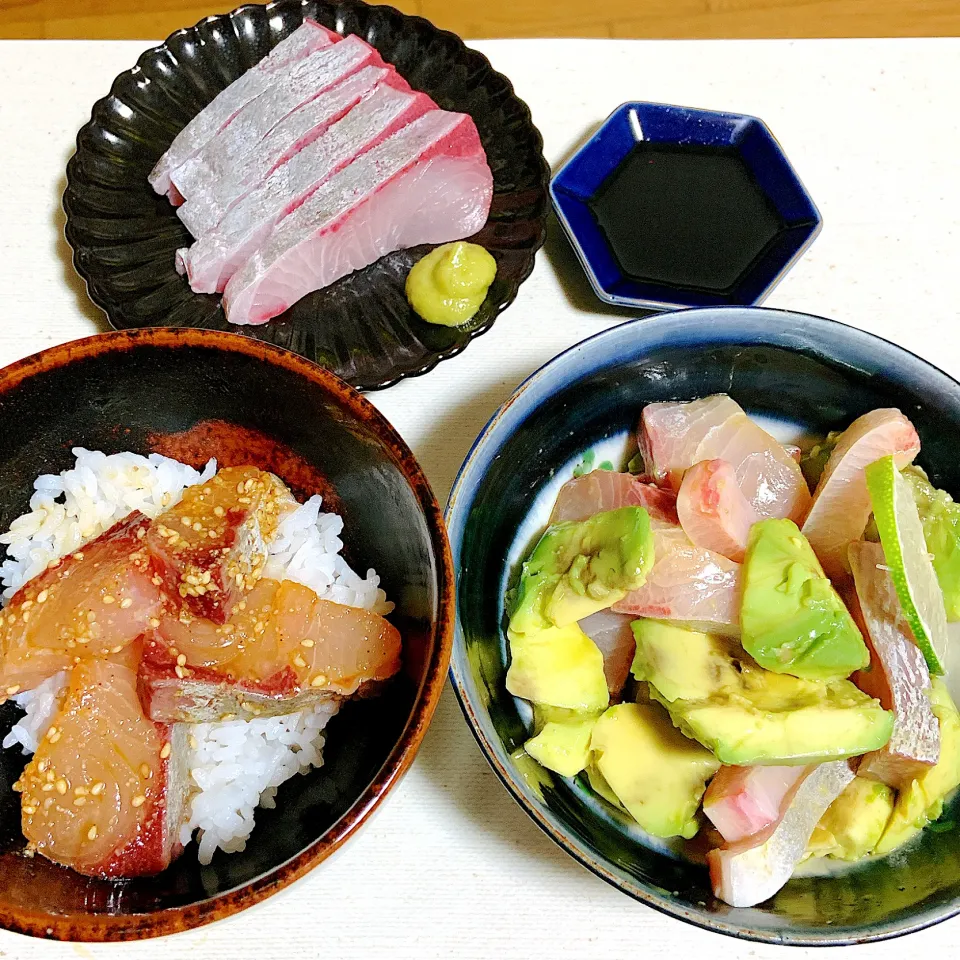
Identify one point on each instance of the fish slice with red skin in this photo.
(283, 649)
(675, 436)
(602, 490)
(428, 183)
(295, 86)
(752, 870)
(211, 201)
(841, 504)
(898, 676)
(614, 638)
(209, 550)
(105, 791)
(93, 602)
(217, 255)
(687, 584)
(713, 511)
(742, 801)
(305, 40)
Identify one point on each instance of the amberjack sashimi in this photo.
(742, 801)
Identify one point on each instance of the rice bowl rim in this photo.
(104, 927)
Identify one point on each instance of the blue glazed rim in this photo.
(807, 333)
(580, 177)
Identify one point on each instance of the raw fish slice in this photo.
(213, 259)
(612, 634)
(696, 587)
(601, 490)
(429, 183)
(208, 205)
(210, 549)
(742, 801)
(306, 39)
(713, 511)
(675, 436)
(841, 504)
(97, 600)
(285, 650)
(898, 675)
(294, 86)
(105, 791)
(752, 870)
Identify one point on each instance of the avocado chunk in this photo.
(559, 666)
(853, 824)
(562, 743)
(747, 715)
(792, 620)
(922, 802)
(599, 784)
(940, 517)
(579, 568)
(657, 774)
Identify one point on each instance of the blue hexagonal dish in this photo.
(668, 206)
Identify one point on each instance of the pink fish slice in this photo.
(742, 801)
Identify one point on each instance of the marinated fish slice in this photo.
(614, 638)
(841, 504)
(429, 183)
(688, 584)
(306, 39)
(898, 676)
(752, 870)
(208, 205)
(295, 85)
(713, 511)
(675, 436)
(209, 550)
(602, 490)
(105, 791)
(742, 801)
(215, 257)
(96, 601)
(285, 650)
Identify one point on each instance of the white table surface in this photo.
(451, 867)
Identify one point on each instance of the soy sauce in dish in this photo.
(688, 216)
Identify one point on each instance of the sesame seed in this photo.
(92, 832)
(178, 670)
(51, 733)
(308, 643)
(156, 581)
(78, 555)
(97, 788)
(144, 770)
(154, 622)
(108, 598)
(198, 526)
(218, 511)
(18, 785)
(53, 738)
(13, 689)
(139, 800)
(42, 596)
(249, 707)
(80, 791)
(192, 742)
(42, 765)
(51, 776)
(298, 661)
(227, 717)
(165, 751)
(11, 618)
(26, 616)
(117, 648)
(26, 605)
(318, 681)
(61, 786)
(125, 603)
(80, 801)
(29, 811)
(46, 787)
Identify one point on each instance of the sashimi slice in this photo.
(841, 504)
(209, 550)
(429, 183)
(210, 202)
(106, 789)
(688, 584)
(752, 870)
(675, 436)
(294, 86)
(305, 40)
(213, 259)
(898, 676)
(602, 490)
(742, 801)
(612, 634)
(93, 602)
(282, 650)
(713, 511)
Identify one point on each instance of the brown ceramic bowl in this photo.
(194, 394)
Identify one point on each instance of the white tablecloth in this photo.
(452, 866)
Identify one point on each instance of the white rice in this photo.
(236, 766)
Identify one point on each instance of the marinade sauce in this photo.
(685, 215)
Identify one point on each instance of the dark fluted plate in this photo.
(124, 236)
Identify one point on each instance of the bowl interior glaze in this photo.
(134, 391)
(804, 370)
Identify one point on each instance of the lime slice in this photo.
(905, 549)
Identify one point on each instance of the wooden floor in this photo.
(116, 19)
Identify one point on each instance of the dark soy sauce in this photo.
(685, 216)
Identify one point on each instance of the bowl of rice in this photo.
(127, 421)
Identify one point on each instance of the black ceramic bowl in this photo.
(124, 236)
(195, 394)
(810, 373)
